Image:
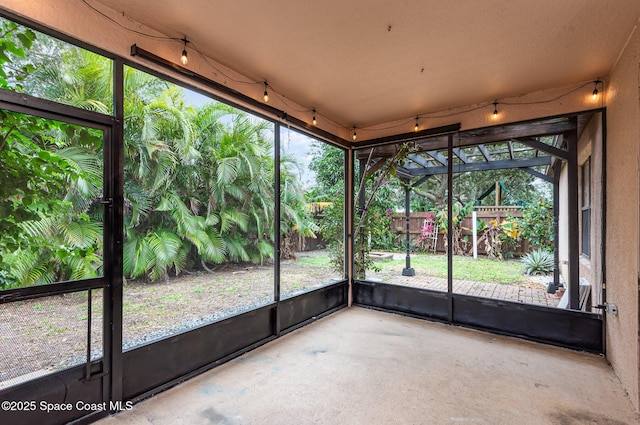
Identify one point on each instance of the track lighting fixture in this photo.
(265, 96)
(314, 117)
(184, 60)
(595, 89)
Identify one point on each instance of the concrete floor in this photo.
(360, 366)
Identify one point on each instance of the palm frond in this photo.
(82, 233)
(28, 269)
(227, 171)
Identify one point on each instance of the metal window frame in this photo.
(457, 309)
(585, 208)
(115, 369)
(532, 322)
(90, 382)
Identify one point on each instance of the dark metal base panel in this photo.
(402, 299)
(567, 328)
(298, 310)
(159, 365)
(153, 365)
(67, 392)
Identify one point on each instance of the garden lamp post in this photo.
(408, 271)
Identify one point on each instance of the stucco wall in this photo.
(623, 139)
(563, 223)
(590, 146)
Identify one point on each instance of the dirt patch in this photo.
(48, 334)
(43, 335)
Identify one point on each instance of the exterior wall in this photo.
(623, 139)
(563, 224)
(590, 146)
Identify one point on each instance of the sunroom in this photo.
(183, 184)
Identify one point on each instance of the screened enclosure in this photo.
(154, 226)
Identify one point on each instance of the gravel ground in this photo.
(43, 335)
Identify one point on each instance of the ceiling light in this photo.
(354, 137)
(417, 127)
(595, 89)
(265, 96)
(184, 60)
(495, 109)
(314, 120)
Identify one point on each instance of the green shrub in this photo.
(538, 262)
(536, 224)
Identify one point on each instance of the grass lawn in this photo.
(314, 261)
(464, 268)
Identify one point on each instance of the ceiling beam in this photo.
(548, 127)
(239, 100)
(485, 166)
(438, 157)
(427, 135)
(421, 180)
(538, 174)
(460, 154)
(476, 137)
(483, 150)
(403, 173)
(376, 165)
(419, 160)
(538, 145)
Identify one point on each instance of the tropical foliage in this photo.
(536, 224)
(49, 215)
(459, 213)
(14, 43)
(198, 179)
(538, 261)
(51, 182)
(328, 165)
(377, 195)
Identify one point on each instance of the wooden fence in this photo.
(486, 214)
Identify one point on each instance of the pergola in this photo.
(538, 148)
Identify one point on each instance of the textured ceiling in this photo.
(368, 62)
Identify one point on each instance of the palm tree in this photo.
(294, 214)
(198, 182)
(237, 177)
(68, 74)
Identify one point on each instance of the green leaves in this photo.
(228, 169)
(49, 212)
(198, 182)
(14, 42)
(538, 261)
(536, 224)
(26, 38)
